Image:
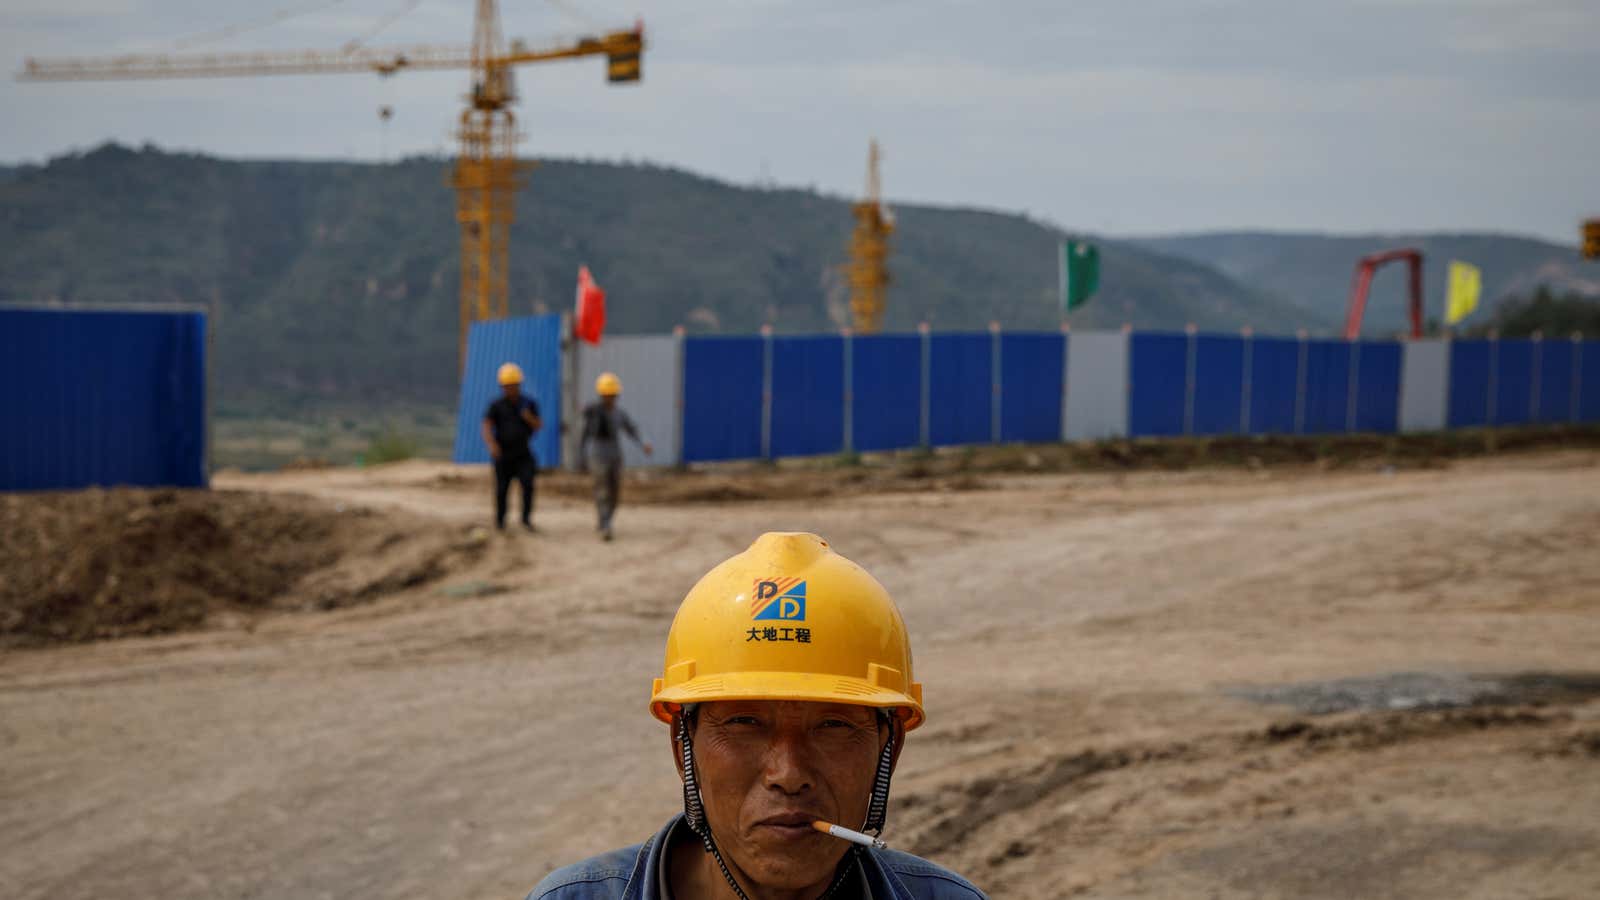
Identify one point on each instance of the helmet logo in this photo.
(782, 599)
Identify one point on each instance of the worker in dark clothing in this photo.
(604, 423)
(508, 427)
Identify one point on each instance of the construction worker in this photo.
(508, 427)
(604, 423)
(787, 684)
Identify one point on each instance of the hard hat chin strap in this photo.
(694, 811)
(878, 807)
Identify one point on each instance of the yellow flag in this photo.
(1465, 283)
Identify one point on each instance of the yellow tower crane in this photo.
(487, 172)
(869, 252)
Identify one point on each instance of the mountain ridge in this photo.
(327, 281)
(1313, 271)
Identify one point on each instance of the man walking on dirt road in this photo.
(508, 427)
(604, 423)
(787, 684)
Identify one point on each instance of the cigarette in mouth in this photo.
(846, 834)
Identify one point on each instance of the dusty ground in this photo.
(1097, 651)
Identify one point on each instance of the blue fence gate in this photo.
(532, 342)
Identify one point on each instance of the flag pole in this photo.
(1061, 278)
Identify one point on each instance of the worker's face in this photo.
(768, 769)
(609, 401)
(512, 389)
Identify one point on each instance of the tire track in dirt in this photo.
(1013, 810)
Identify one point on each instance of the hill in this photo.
(328, 281)
(1313, 272)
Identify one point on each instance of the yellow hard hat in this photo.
(510, 373)
(608, 384)
(788, 619)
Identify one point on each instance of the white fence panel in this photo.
(1424, 385)
(651, 369)
(1096, 402)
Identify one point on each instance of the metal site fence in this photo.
(793, 396)
(103, 396)
(769, 396)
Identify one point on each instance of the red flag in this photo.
(591, 318)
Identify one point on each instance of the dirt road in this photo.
(1095, 649)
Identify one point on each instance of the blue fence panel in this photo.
(1218, 384)
(1327, 402)
(722, 384)
(1513, 385)
(1157, 379)
(1032, 369)
(886, 391)
(1469, 384)
(101, 397)
(1589, 381)
(960, 378)
(534, 344)
(807, 395)
(1274, 384)
(1555, 381)
(1378, 368)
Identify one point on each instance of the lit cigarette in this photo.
(845, 834)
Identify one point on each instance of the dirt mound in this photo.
(949, 469)
(744, 482)
(715, 486)
(103, 564)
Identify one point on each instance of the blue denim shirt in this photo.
(630, 874)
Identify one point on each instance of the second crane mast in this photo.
(869, 252)
(487, 172)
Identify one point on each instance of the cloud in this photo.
(1151, 115)
(71, 10)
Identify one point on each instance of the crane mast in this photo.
(486, 178)
(869, 252)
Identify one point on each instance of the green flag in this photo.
(1080, 274)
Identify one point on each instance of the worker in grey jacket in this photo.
(604, 423)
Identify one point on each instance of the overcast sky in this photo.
(1115, 116)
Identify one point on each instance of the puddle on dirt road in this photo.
(1401, 691)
